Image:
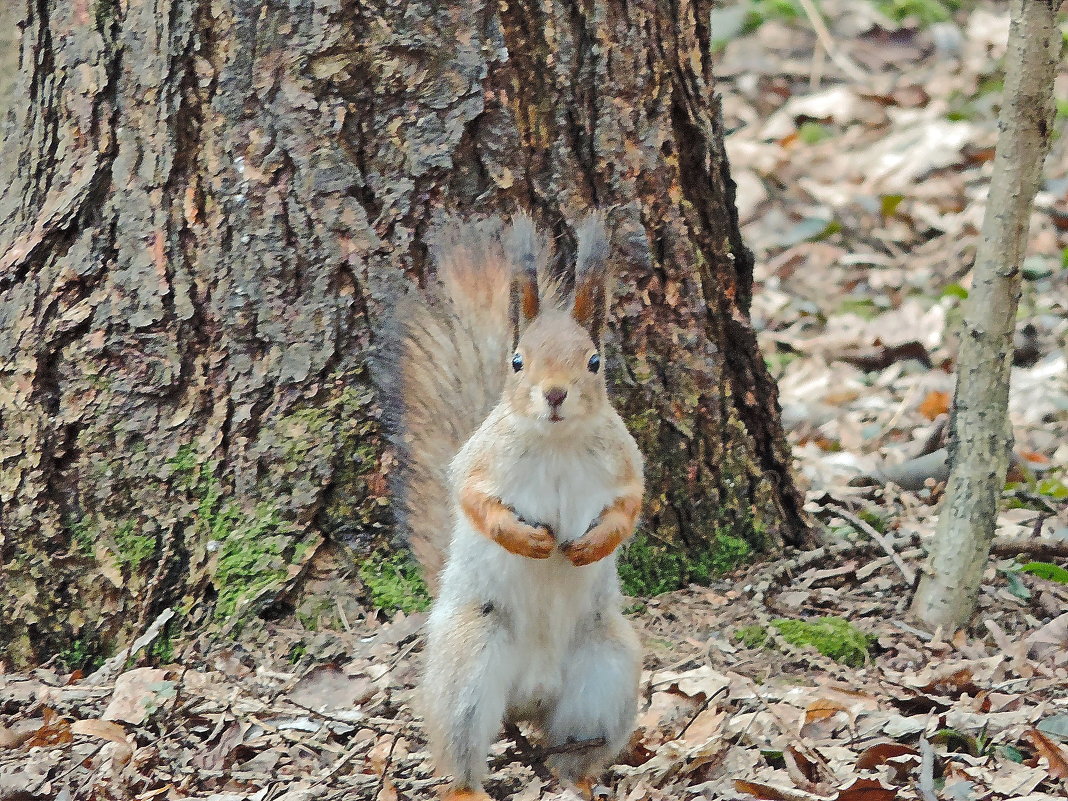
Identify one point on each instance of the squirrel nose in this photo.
(555, 396)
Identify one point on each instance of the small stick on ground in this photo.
(865, 528)
(572, 746)
(844, 63)
(527, 752)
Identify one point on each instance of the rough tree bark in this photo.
(214, 198)
(980, 432)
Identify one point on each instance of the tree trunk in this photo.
(980, 431)
(216, 198)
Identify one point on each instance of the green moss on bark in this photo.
(132, 548)
(254, 547)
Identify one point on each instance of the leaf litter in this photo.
(862, 200)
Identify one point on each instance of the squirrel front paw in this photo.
(536, 542)
(593, 546)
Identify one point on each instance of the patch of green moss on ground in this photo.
(357, 496)
(927, 12)
(131, 548)
(834, 637)
(649, 566)
(297, 653)
(394, 582)
(754, 636)
(162, 649)
(251, 555)
(336, 441)
(873, 519)
(303, 431)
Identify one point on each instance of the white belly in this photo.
(545, 604)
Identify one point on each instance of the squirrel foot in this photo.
(588, 787)
(465, 795)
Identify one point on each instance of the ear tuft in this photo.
(591, 275)
(525, 249)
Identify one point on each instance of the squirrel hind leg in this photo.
(464, 694)
(599, 700)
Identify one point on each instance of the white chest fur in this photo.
(555, 487)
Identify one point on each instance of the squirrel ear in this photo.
(591, 275)
(525, 249)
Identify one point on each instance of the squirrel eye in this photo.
(594, 364)
(517, 363)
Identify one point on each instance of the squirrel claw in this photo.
(593, 546)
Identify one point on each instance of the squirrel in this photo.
(515, 467)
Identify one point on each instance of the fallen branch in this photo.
(1006, 547)
(911, 475)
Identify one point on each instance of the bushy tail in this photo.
(448, 362)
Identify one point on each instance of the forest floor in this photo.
(861, 185)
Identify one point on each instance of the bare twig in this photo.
(915, 632)
(527, 752)
(816, 757)
(860, 525)
(344, 759)
(701, 708)
(388, 763)
(927, 756)
(843, 62)
(112, 667)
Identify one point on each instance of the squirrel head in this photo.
(556, 371)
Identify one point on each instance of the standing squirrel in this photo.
(514, 464)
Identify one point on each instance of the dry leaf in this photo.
(55, 731)
(867, 790)
(1055, 754)
(136, 695)
(802, 770)
(104, 729)
(878, 755)
(328, 687)
(934, 404)
(707, 724)
(12, 735)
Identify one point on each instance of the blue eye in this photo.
(594, 364)
(517, 363)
